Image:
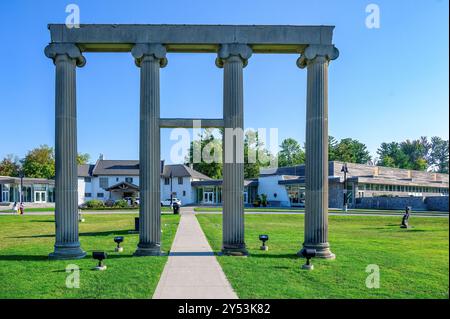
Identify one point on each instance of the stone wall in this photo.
(437, 203)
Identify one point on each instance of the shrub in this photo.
(122, 203)
(109, 203)
(94, 203)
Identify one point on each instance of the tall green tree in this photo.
(40, 162)
(83, 158)
(348, 150)
(9, 166)
(407, 154)
(291, 153)
(439, 155)
(208, 161)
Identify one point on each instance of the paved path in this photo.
(192, 270)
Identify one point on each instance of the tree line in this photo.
(422, 154)
(37, 163)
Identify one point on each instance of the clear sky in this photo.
(388, 84)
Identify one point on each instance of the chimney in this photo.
(376, 171)
(162, 166)
(100, 157)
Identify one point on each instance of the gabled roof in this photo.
(131, 168)
(180, 170)
(116, 167)
(85, 170)
(123, 186)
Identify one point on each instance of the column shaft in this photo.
(67, 245)
(149, 160)
(316, 173)
(233, 171)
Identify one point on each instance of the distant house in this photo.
(117, 179)
(35, 190)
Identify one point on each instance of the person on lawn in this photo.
(21, 208)
(15, 208)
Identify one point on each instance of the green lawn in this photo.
(413, 263)
(52, 209)
(302, 210)
(26, 272)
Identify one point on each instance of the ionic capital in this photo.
(230, 52)
(313, 52)
(155, 51)
(69, 49)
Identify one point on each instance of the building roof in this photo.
(364, 174)
(131, 168)
(218, 182)
(85, 170)
(180, 170)
(26, 180)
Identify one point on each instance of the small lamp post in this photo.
(344, 169)
(100, 256)
(118, 240)
(308, 253)
(264, 238)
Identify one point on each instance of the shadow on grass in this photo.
(45, 257)
(104, 233)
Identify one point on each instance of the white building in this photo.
(117, 179)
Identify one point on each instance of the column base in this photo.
(322, 250)
(238, 250)
(148, 250)
(64, 252)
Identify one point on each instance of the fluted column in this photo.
(233, 58)
(66, 58)
(316, 59)
(149, 57)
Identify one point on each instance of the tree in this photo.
(210, 149)
(408, 154)
(9, 166)
(439, 155)
(40, 162)
(255, 155)
(332, 144)
(352, 151)
(83, 158)
(291, 153)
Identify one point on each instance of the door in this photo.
(208, 197)
(40, 197)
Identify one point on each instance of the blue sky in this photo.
(388, 84)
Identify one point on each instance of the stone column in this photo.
(66, 58)
(316, 59)
(150, 58)
(233, 58)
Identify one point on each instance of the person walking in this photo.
(15, 208)
(21, 208)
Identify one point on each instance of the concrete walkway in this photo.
(192, 270)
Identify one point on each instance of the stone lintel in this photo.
(192, 38)
(189, 123)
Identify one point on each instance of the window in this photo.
(184, 193)
(166, 181)
(87, 194)
(87, 179)
(129, 180)
(180, 180)
(100, 195)
(103, 182)
(117, 179)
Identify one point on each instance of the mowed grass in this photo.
(26, 272)
(413, 263)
